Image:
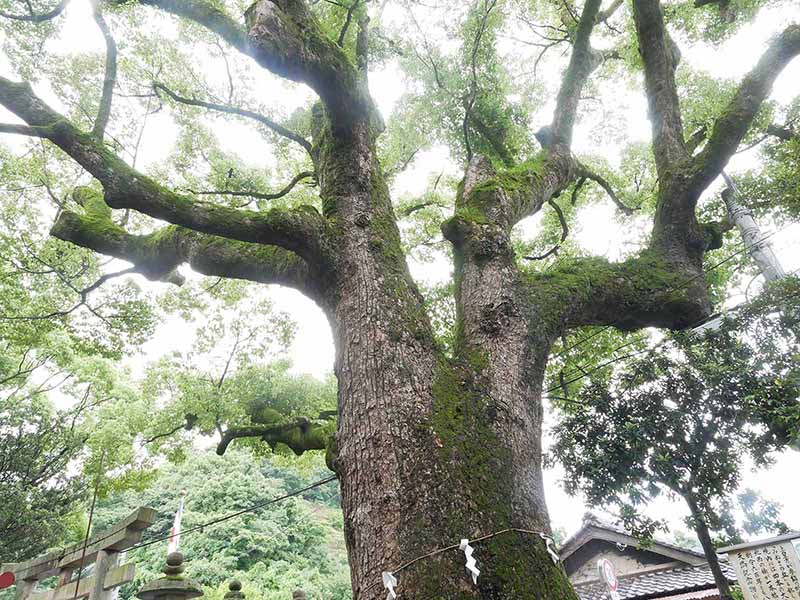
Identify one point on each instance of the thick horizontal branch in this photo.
(157, 255)
(300, 230)
(299, 434)
(224, 108)
(730, 128)
(659, 55)
(646, 291)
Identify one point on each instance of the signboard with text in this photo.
(767, 570)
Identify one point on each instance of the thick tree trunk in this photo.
(704, 536)
(430, 449)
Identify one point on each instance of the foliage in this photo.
(478, 77)
(296, 543)
(40, 486)
(229, 377)
(680, 421)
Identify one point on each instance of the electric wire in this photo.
(165, 535)
(228, 517)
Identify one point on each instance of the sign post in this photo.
(608, 575)
(102, 550)
(767, 569)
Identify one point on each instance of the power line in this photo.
(160, 536)
(251, 508)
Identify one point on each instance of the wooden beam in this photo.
(120, 536)
(114, 578)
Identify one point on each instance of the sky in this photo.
(312, 348)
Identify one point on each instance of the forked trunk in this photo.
(430, 449)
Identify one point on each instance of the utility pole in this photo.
(759, 248)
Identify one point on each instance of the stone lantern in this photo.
(234, 591)
(173, 586)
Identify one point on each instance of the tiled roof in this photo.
(656, 584)
(594, 528)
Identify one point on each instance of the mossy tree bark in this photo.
(429, 448)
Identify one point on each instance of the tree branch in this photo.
(603, 16)
(732, 125)
(589, 174)
(209, 16)
(157, 255)
(269, 123)
(348, 19)
(659, 56)
(784, 133)
(300, 230)
(300, 434)
(110, 78)
(646, 291)
(581, 63)
(285, 38)
(564, 233)
(19, 129)
(38, 18)
(258, 195)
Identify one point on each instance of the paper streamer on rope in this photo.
(551, 547)
(471, 564)
(389, 582)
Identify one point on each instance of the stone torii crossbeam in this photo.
(102, 550)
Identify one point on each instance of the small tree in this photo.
(37, 493)
(682, 420)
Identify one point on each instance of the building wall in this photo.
(625, 561)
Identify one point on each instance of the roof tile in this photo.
(655, 583)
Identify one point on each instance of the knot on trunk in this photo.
(496, 317)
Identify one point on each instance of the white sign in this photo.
(609, 576)
(768, 570)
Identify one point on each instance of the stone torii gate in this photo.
(102, 550)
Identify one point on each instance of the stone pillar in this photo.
(173, 586)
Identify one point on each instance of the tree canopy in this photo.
(349, 150)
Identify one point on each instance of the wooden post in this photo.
(25, 587)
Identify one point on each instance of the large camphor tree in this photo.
(434, 442)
